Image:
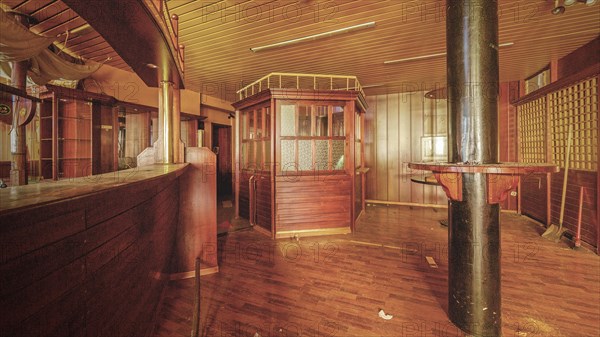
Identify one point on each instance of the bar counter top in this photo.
(49, 191)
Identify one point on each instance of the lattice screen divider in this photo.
(576, 105)
(532, 131)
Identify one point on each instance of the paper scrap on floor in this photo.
(385, 316)
(431, 262)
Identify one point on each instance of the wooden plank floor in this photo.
(335, 286)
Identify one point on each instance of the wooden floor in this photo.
(335, 286)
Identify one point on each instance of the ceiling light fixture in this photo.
(315, 36)
(424, 57)
(151, 65)
(368, 86)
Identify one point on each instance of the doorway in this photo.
(221, 145)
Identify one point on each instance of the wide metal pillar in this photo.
(474, 233)
(18, 139)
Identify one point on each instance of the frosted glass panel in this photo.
(259, 130)
(357, 154)
(338, 121)
(245, 126)
(321, 121)
(267, 154)
(288, 157)
(304, 155)
(303, 120)
(251, 162)
(251, 124)
(338, 155)
(244, 162)
(322, 154)
(267, 121)
(259, 151)
(288, 120)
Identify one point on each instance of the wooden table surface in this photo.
(17, 197)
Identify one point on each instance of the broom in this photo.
(554, 232)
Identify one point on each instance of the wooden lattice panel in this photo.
(576, 105)
(532, 131)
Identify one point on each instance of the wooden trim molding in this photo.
(561, 83)
(314, 232)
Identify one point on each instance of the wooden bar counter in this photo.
(88, 256)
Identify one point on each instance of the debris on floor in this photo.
(385, 316)
(431, 262)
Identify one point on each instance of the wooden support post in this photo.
(18, 139)
(473, 235)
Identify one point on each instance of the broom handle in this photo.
(564, 187)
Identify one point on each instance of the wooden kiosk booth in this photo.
(300, 168)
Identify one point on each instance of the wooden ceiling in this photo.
(53, 17)
(218, 36)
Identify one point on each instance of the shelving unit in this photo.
(78, 132)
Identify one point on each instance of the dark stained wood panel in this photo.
(92, 265)
(263, 200)
(533, 197)
(326, 198)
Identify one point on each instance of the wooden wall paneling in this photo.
(370, 144)
(154, 133)
(302, 194)
(263, 200)
(186, 136)
(579, 59)
(404, 146)
(381, 177)
(96, 139)
(55, 107)
(273, 165)
(598, 171)
(429, 129)
(393, 153)
(115, 138)
(512, 136)
(349, 132)
(506, 139)
(416, 122)
(137, 138)
(393, 150)
(244, 195)
(197, 228)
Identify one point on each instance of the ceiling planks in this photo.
(218, 36)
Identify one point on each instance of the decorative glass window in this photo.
(313, 137)
(256, 145)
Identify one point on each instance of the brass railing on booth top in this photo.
(301, 81)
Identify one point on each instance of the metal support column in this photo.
(474, 234)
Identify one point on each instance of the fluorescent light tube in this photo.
(315, 36)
